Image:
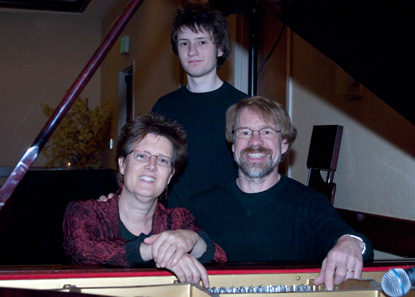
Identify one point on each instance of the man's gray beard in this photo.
(256, 170)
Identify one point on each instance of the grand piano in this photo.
(339, 29)
(250, 279)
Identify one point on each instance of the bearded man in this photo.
(265, 216)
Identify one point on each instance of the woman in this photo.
(134, 228)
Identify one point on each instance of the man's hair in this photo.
(269, 110)
(203, 18)
(135, 130)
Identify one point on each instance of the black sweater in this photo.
(210, 160)
(288, 222)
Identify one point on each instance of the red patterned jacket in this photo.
(92, 233)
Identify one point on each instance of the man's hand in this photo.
(343, 261)
(189, 270)
(104, 198)
(169, 247)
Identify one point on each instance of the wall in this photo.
(155, 67)
(271, 82)
(43, 53)
(41, 56)
(376, 163)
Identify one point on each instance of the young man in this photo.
(264, 216)
(201, 39)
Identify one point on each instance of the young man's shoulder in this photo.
(229, 88)
(170, 96)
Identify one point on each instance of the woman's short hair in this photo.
(270, 111)
(135, 130)
(203, 18)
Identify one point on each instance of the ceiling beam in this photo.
(49, 5)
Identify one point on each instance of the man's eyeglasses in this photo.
(264, 133)
(144, 156)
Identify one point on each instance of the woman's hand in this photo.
(174, 256)
(189, 270)
(169, 246)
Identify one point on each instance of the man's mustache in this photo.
(250, 150)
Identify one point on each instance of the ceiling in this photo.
(90, 8)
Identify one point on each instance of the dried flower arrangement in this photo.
(79, 139)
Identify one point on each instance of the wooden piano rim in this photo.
(62, 272)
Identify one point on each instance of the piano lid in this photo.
(373, 41)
